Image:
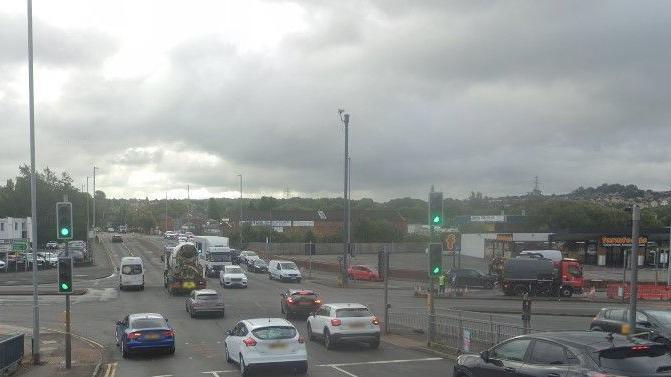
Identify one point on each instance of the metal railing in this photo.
(11, 354)
(458, 330)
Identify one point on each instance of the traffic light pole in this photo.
(68, 338)
(429, 294)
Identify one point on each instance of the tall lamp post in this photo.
(95, 168)
(240, 220)
(344, 118)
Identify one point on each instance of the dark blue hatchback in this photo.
(144, 331)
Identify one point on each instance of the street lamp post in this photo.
(94, 202)
(344, 118)
(240, 220)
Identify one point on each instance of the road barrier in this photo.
(461, 331)
(645, 292)
(11, 354)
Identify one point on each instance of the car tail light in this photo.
(336, 322)
(301, 340)
(168, 333)
(375, 321)
(318, 301)
(249, 342)
(640, 348)
(290, 300)
(134, 335)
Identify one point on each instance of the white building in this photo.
(476, 244)
(15, 227)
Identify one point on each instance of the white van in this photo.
(283, 270)
(131, 273)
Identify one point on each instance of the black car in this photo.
(468, 277)
(235, 256)
(299, 302)
(258, 265)
(568, 354)
(654, 323)
(117, 238)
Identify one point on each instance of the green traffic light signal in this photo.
(65, 286)
(436, 270)
(436, 220)
(65, 232)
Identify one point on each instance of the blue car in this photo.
(144, 331)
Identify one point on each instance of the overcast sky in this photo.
(467, 95)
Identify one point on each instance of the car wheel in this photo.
(287, 314)
(171, 351)
(328, 341)
(244, 371)
(192, 314)
(186, 306)
(124, 351)
(596, 328)
(282, 308)
(228, 357)
(298, 281)
(520, 289)
(566, 292)
(302, 369)
(311, 336)
(142, 287)
(223, 314)
(375, 344)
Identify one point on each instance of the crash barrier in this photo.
(645, 292)
(11, 354)
(460, 331)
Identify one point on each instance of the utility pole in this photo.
(88, 228)
(429, 294)
(386, 288)
(166, 212)
(635, 223)
(33, 188)
(95, 235)
(240, 221)
(668, 261)
(344, 118)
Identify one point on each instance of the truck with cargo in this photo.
(182, 272)
(541, 276)
(213, 253)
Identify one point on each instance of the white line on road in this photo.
(215, 373)
(163, 375)
(344, 371)
(381, 362)
(110, 371)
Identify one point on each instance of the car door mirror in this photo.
(644, 323)
(485, 356)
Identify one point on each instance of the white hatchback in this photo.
(336, 323)
(266, 342)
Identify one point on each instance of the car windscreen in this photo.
(234, 270)
(220, 257)
(131, 269)
(259, 262)
(288, 266)
(207, 296)
(352, 312)
(147, 323)
(250, 254)
(662, 316)
(641, 359)
(274, 332)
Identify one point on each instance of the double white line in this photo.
(110, 371)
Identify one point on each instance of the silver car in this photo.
(204, 301)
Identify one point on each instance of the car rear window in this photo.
(207, 296)
(636, 359)
(288, 266)
(304, 295)
(234, 270)
(274, 332)
(131, 269)
(352, 312)
(147, 323)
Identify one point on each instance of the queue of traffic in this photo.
(251, 343)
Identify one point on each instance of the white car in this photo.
(50, 258)
(246, 254)
(249, 260)
(52, 245)
(266, 341)
(232, 276)
(335, 323)
(3, 264)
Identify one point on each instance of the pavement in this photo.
(86, 355)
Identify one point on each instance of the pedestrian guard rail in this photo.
(645, 292)
(11, 354)
(461, 331)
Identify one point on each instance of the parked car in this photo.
(359, 272)
(250, 342)
(117, 238)
(299, 302)
(3, 265)
(655, 323)
(258, 265)
(50, 258)
(468, 277)
(110, 230)
(568, 353)
(204, 301)
(232, 276)
(41, 262)
(335, 323)
(284, 271)
(143, 332)
(52, 245)
(242, 258)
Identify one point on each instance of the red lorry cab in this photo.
(571, 273)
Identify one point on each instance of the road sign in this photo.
(452, 242)
(19, 245)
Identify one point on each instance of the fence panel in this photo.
(11, 354)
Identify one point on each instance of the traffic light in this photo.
(435, 259)
(65, 275)
(64, 220)
(436, 209)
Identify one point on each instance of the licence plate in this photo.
(277, 345)
(189, 285)
(152, 336)
(357, 325)
(305, 303)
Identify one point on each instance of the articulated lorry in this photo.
(182, 272)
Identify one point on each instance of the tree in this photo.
(213, 209)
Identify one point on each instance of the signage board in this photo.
(616, 241)
(488, 219)
(504, 237)
(452, 242)
(19, 245)
(304, 223)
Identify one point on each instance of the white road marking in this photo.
(381, 362)
(215, 373)
(163, 375)
(110, 371)
(344, 371)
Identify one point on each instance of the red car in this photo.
(363, 273)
